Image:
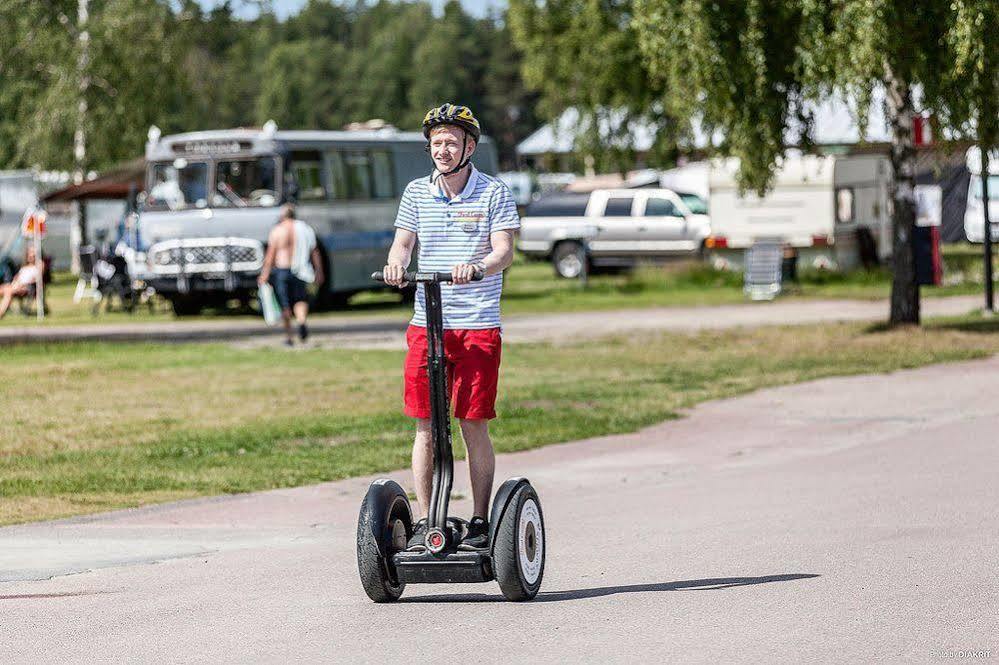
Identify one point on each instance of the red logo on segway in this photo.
(435, 540)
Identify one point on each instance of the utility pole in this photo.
(83, 83)
(989, 295)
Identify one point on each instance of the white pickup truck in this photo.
(613, 227)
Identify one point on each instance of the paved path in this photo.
(382, 330)
(843, 520)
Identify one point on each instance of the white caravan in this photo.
(974, 213)
(835, 210)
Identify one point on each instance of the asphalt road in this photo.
(844, 520)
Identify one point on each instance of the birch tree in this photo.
(749, 67)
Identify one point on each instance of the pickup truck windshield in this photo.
(697, 205)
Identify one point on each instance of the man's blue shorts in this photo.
(288, 288)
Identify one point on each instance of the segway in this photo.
(515, 555)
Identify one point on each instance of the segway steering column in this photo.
(438, 533)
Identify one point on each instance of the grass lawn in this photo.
(91, 427)
(531, 287)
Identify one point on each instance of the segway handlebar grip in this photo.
(415, 277)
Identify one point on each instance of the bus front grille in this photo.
(205, 255)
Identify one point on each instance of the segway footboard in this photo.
(454, 567)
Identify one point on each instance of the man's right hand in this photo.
(393, 275)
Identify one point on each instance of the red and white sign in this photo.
(33, 224)
(922, 133)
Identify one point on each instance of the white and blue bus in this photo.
(212, 197)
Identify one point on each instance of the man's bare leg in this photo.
(301, 312)
(481, 463)
(286, 320)
(7, 292)
(423, 464)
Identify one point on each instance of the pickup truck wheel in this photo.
(568, 259)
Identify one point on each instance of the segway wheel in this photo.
(519, 548)
(383, 528)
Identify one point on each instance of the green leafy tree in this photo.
(447, 64)
(748, 69)
(583, 54)
(320, 18)
(508, 107)
(972, 86)
(299, 85)
(126, 81)
(731, 66)
(180, 66)
(35, 50)
(380, 67)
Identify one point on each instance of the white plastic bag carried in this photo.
(269, 304)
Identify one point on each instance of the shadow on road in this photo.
(709, 584)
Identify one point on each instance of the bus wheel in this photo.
(338, 300)
(186, 306)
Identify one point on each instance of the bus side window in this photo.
(337, 176)
(381, 174)
(358, 174)
(308, 169)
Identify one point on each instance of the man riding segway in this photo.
(465, 222)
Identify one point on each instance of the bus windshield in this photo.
(178, 185)
(245, 182)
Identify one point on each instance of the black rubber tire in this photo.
(372, 567)
(186, 306)
(568, 251)
(513, 580)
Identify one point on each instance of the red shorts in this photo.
(473, 371)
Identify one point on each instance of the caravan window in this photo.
(844, 205)
(976, 188)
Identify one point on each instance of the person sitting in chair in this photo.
(31, 272)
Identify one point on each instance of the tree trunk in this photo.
(83, 83)
(904, 289)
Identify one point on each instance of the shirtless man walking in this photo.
(293, 260)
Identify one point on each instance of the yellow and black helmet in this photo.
(451, 114)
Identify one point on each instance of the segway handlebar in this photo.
(414, 277)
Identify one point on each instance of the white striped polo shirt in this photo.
(453, 231)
